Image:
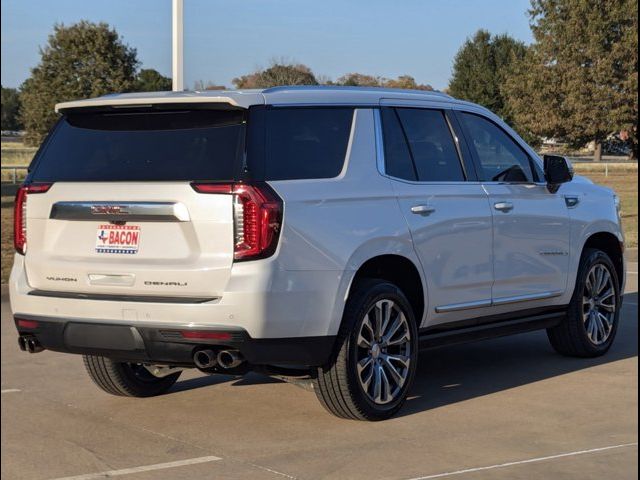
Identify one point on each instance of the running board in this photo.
(490, 330)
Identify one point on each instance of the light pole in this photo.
(177, 64)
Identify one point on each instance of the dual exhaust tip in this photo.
(28, 343)
(227, 359)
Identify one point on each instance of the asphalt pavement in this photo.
(508, 408)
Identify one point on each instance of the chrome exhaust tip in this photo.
(32, 345)
(22, 343)
(204, 358)
(230, 358)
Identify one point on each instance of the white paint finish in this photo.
(331, 227)
(359, 204)
(276, 96)
(197, 254)
(527, 461)
(454, 243)
(142, 469)
(177, 45)
(530, 242)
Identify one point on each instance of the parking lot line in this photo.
(144, 468)
(522, 462)
(11, 390)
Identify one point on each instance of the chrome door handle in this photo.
(503, 206)
(422, 209)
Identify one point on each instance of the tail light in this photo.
(20, 214)
(257, 217)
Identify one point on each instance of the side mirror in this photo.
(557, 170)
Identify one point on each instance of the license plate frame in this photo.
(118, 239)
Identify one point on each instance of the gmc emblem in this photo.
(108, 210)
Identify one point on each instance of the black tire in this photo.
(570, 337)
(126, 379)
(336, 384)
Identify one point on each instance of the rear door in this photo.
(121, 216)
(447, 212)
(531, 224)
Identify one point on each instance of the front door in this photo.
(531, 225)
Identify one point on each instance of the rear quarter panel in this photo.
(337, 224)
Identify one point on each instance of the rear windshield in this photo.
(143, 146)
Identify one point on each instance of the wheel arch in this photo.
(399, 270)
(612, 246)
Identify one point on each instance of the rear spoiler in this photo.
(233, 100)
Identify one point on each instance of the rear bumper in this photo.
(166, 344)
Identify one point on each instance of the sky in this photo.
(224, 39)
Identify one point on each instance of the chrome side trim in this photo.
(120, 211)
(526, 298)
(455, 307)
(121, 298)
(499, 301)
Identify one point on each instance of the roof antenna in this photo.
(177, 76)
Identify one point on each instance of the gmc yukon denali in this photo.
(317, 232)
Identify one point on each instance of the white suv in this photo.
(320, 231)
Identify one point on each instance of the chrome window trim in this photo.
(380, 160)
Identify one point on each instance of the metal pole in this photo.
(177, 77)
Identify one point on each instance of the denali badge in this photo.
(109, 210)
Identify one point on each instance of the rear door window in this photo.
(143, 146)
(431, 144)
(397, 157)
(306, 142)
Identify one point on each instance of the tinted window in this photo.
(397, 157)
(306, 142)
(143, 146)
(501, 159)
(431, 144)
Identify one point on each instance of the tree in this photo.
(201, 85)
(579, 79)
(279, 73)
(480, 70)
(407, 82)
(362, 80)
(79, 61)
(150, 80)
(359, 80)
(10, 107)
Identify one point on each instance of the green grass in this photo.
(15, 153)
(6, 228)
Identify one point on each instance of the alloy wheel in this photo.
(383, 352)
(599, 304)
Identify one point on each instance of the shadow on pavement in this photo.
(454, 374)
